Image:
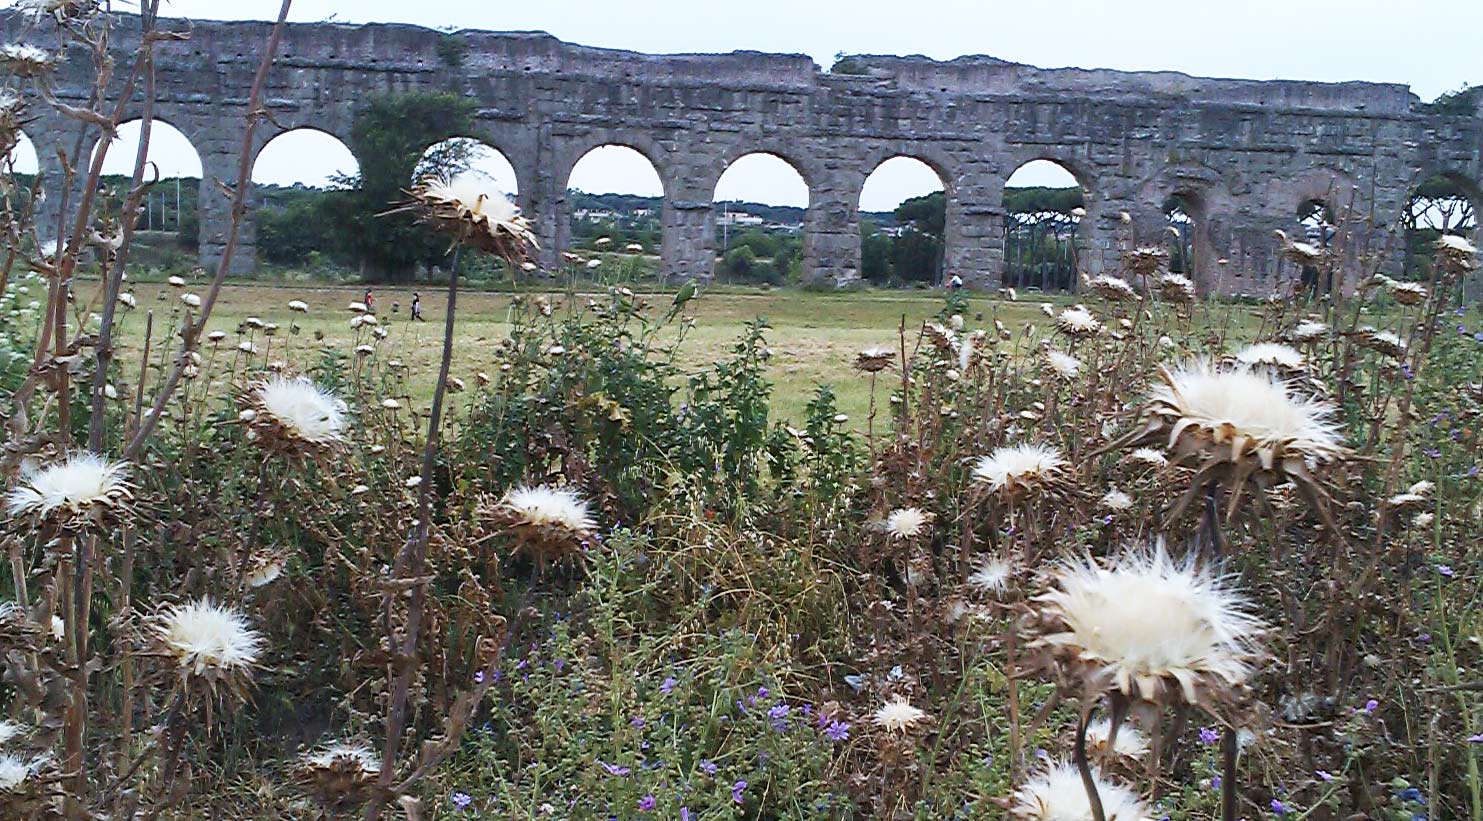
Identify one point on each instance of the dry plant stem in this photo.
(1229, 749)
(1079, 754)
(409, 566)
(191, 332)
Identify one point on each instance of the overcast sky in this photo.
(1431, 45)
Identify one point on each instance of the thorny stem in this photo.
(1230, 750)
(191, 333)
(1094, 799)
(409, 566)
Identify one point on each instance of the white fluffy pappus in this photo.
(1131, 742)
(1116, 499)
(1014, 465)
(1249, 409)
(76, 484)
(342, 754)
(208, 638)
(907, 522)
(991, 576)
(546, 506)
(303, 409)
(1144, 622)
(1062, 364)
(897, 715)
(1057, 794)
(1271, 353)
(1078, 321)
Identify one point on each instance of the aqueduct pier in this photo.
(1243, 155)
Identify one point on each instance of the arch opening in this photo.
(759, 204)
(1441, 204)
(616, 202)
(1182, 212)
(903, 223)
(167, 233)
(461, 155)
(21, 158)
(301, 178)
(1043, 207)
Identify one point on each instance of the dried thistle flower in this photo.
(1058, 794)
(1274, 354)
(1176, 288)
(1131, 743)
(1117, 500)
(874, 360)
(294, 416)
(1148, 628)
(1149, 456)
(1110, 288)
(1062, 364)
(263, 568)
(471, 208)
(84, 489)
(26, 60)
(897, 715)
(1145, 261)
(907, 523)
(1015, 470)
(29, 787)
(1456, 255)
(943, 338)
(1309, 331)
(1237, 427)
(341, 776)
(207, 652)
(1407, 293)
(62, 11)
(991, 576)
(1382, 342)
(550, 523)
(1301, 253)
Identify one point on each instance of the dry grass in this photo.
(814, 336)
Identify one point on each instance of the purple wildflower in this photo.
(637, 722)
(1279, 807)
(1208, 736)
(614, 769)
(647, 803)
(684, 814)
(668, 685)
(778, 711)
(837, 731)
(736, 791)
(1372, 705)
(479, 677)
(1476, 739)
(708, 766)
(461, 800)
(1325, 775)
(1445, 570)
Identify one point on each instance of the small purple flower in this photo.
(1476, 739)
(1478, 337)
(647, 803)
(1432, 453)
(762, 692)
(778, 711)
(1372, 705)
(1214, 782)
(479, 677)
(1325, 775)
(637, 722)
(1424, 638)
(521, 665)
(708, 767)
(461, 800)
(1279, 807)
(559, 664)
(736, 791)
(1208, 735)
(614, 769)
(838, 731)
(1445, 570)
(684, 814)
(668, 685)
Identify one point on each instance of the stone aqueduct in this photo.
(1244, 154)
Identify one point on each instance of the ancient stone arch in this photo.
(1132, 138)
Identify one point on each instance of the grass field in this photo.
(814, 336)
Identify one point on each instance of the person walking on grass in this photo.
(417, 307)
(370, 302)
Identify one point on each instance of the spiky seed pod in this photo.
(1058, 794)
(340, 777)
(1176, 288)
(1110, 288)
(942, 338)
(1272, 354)
(470, 207)
(874, 360)
(294, 417)
(204, 652)
(1145, 261)
(547, 523)
(1382, 342)
(1014, 472)
(30, 788)
(1148, 628)
(82, 491)
(1455, 255)
(1238, 427)
(1078, 323)
(1407, 293)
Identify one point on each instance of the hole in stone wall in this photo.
(1442, 204)
(22, 158)
(1180, 210)
(616, 202)
(1043, 207)
(169, 228)
(903, 222)
(760, 201)
(302, 177)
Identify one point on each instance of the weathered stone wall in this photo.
(1245, 154)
